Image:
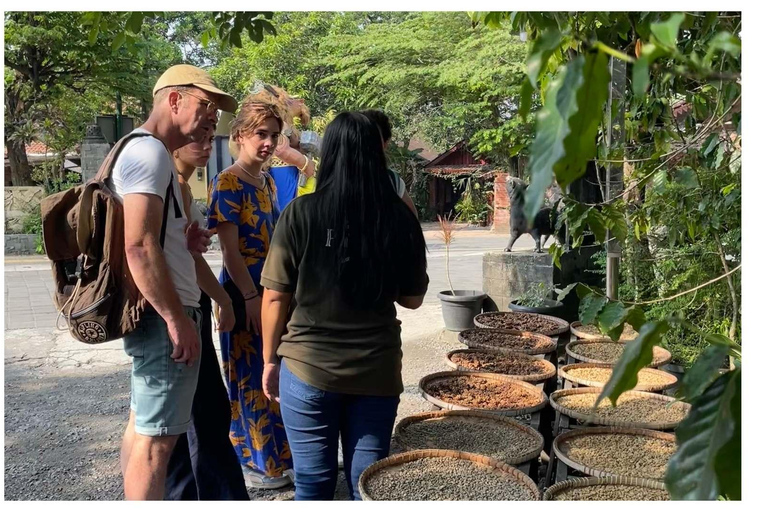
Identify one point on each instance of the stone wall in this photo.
(19, 201)
(20, 245)
(507, 275)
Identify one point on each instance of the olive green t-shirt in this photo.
(330, 345)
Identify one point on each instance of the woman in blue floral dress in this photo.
(243, 211)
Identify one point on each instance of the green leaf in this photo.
(711, 143)
(135, 21)
(205, 38)
(642, 66)
(686, 177)
(635, 317)
(611, 319)
(589, 307)
(526, 99)
(718, 339)
(118, 41)
(516, 149)
(583, 290)
(666, 31)
(637, 354)
(726, 42)
(543, 48)
(597, 225)
(93, 34)
(234, 38)
(551, 130)
(703, 372)
(580, 145)
(561, 294)
(707, 462)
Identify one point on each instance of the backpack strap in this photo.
(85, 221)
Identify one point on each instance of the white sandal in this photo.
(256, 480)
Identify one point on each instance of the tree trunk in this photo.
(21, 171)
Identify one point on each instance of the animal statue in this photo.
(543, 222)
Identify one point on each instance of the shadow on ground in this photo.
(63, 433)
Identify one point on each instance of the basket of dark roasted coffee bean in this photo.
(597, 374)
(634, 409)
(592, 333)
(444, 475)
(609, 352)
(508, 340)
(489, 392)
(611, 488)
(484, 433)
(519, 366)
(527, 322)
(616, 451)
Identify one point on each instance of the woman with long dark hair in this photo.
(346, 254)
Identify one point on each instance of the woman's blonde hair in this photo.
(252, 113)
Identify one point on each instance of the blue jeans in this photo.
(313, 419)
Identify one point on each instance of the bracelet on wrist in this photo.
(306, 163)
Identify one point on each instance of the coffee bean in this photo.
(444, 478)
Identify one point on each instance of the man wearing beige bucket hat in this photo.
(165, 345)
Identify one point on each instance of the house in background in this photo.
(457, 162)
(38, 153)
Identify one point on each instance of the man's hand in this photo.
(270, 381)
(198, 239)
(226, 318)
(186, 342)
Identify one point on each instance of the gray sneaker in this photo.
(257, 480)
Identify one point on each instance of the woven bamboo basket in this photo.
(597, 420)
(563, 326)
(578, 331)
(524, 430)
(661, 356)
(563, 452)
(548, 344)
(670, 380)
(492, 464)
(489, 376)
(538, 377)
(552, 492)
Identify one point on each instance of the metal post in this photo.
(119, 117)
(614, 175)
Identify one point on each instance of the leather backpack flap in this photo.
(59, 215)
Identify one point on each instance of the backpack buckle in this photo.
(79, 266)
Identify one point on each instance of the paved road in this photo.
(29, 285)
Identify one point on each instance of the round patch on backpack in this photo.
(91, 332)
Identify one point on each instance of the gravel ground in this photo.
(66, 407)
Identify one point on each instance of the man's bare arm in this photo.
(149, 269)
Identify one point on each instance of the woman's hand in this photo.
(253, 315)
(226, 318)
(270, 381)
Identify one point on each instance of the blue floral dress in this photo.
(256, 430)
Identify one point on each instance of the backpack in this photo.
(83, 236)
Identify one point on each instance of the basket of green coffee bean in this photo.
(484, 433)
(444, 475)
